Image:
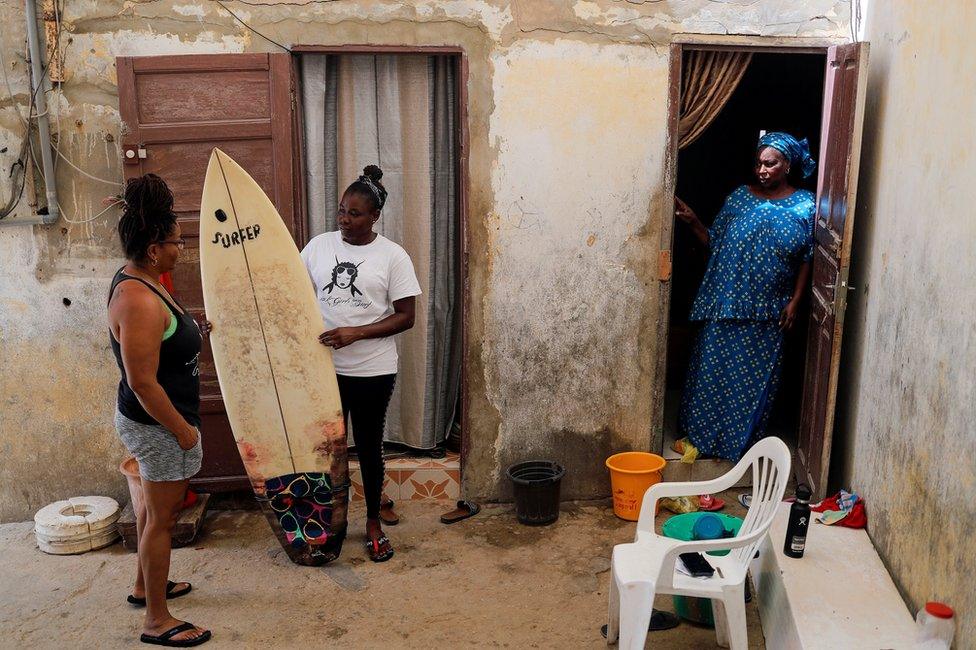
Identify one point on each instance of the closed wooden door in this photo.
(840, 146)
(175, 109)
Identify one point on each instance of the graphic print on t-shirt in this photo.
(344, 277)
(381, 273)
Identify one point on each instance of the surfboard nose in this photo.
(213, 165)
(217, 157)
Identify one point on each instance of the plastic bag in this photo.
(680, 505)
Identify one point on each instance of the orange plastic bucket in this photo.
(631, 473)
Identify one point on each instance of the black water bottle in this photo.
(796, 529)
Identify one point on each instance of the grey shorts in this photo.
(160, 457)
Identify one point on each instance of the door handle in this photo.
(842, 284)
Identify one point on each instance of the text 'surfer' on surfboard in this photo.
(277, 381)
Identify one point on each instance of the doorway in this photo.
(778, 91)
(166, 102)
(400, 110)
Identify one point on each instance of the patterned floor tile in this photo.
(429, 484)
(411, 477)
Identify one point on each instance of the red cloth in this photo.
(856, 518)
(167, 281)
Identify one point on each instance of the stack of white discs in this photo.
(78, 525)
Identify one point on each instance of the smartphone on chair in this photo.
(697, 565)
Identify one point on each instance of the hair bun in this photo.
(373, 172)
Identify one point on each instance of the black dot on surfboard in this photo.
(221, 216)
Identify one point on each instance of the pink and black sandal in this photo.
(373, 547)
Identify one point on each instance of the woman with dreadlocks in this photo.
(366, 287)
(156, 344)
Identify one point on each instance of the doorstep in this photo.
(702, 470)
(413, 478)
(705, 469)
(838, 595)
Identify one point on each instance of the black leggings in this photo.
(366, 399)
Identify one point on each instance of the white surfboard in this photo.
(277, 381)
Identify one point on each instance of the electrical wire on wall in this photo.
(241, 21)
(59, 92)
(28, 145)
(55, 113)
(17, 194)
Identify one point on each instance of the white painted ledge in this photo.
(837, 596)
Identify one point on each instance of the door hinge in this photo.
(664, 266)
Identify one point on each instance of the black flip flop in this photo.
(166, 638)
(464, 510)
(373, 548)
(170, 594)
(659, 621)
(387, 515)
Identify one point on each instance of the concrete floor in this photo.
(484, 582)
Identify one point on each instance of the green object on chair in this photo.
(697, 610)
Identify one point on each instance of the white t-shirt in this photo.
(357, 285)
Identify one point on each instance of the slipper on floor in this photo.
(464, 510)
(171, 592)
(659, 621)
(373, 548)
(166, 638)
(708, 503)
(745, 500)
(387, 514)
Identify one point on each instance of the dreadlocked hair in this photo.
(147, 216)
(376, 194)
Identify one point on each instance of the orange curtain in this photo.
(708, 79)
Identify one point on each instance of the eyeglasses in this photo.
(180, 243)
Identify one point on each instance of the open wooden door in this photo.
(175, 109)
(840, 145)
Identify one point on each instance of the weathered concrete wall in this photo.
(567, 119)
(907, 441)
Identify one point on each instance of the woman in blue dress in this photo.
(761, 245)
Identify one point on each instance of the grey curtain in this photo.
(444, 332)
(398, 112)
(319, 88)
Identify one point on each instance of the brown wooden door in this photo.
(840, 144)
(175, 109)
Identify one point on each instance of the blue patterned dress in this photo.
(757, 247)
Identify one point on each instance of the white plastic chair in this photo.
(646, 567)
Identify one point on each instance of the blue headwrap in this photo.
(797, 152)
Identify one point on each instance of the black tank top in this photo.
(178, 372)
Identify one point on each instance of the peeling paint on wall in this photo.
(567, 120)
(906, 435)
(561, 318)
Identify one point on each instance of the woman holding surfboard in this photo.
(156, 345)
(366, 289)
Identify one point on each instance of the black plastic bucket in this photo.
(536, 487)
